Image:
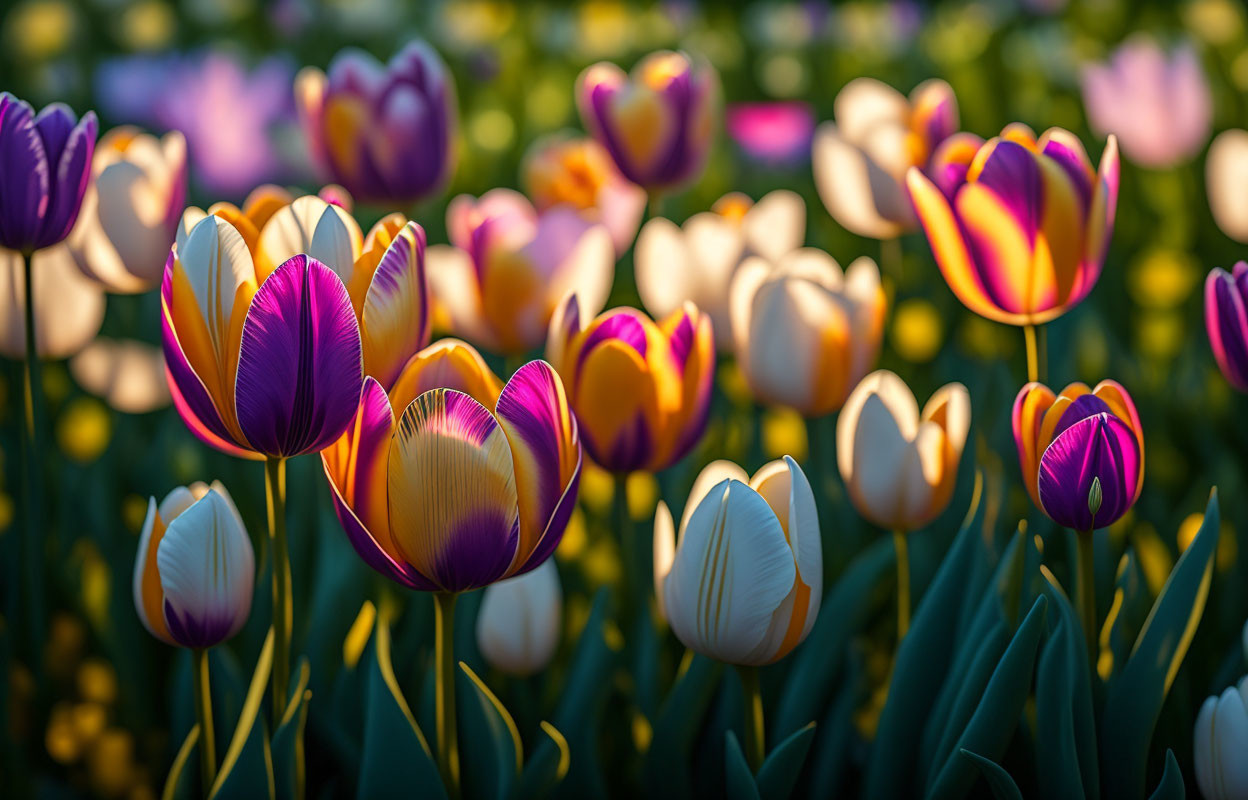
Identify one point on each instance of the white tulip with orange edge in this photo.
(1219, 745)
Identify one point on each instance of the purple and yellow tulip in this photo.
(1066, 440)
(448, 493)
(1019, 226)
(658, 122)
(509, 267)
(641, 390)
(387, 133)
(1226, 321)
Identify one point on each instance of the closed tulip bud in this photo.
(1226, 321)
(1019, 226)
(518, 623)
(658, 122)
(696, 262)
(900, 466)
(1100, 457)
(195, 571)
(743, 580)
(509, 267)
(386, 133)
(1219, 744)
(806, 333)
(641, 390)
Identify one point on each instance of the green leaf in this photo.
(738, 780)
(1135, 696)
(1066, 746)
(488, 733)
(665, 770)
(998, 780)
(996, 717)
(781, 768)
(967, 688)
(288, 758)
(248, 763)
(835, 736)
(547, 767)
(180, 781)
(395, 755)
(1171, 786)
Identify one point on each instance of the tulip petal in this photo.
(785, 488)
(129, 375)
(1100, 447)
(446, 364)
(314, 228)
(711, 476)
(618, 402)
(664, 552)
(519, 621)
(775, 225)
(69, 307)
(148, 596)
(27, 181)
(665, 270)
(396, 321)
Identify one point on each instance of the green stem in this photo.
(755, 747)
(203, 715)
(283, 612)
(890, 258)
(903, 583)
(1033, 359)
(633, 593)
(1086, 594)
(444, 709)
(32, 476)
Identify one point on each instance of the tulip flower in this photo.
(697, 261)
(509, 267)
(447, 495)
(743, 580)
(806, 334)
(640, 390)
(387, 133)
(1226, 322)
(518, 622)
(69, 307)
(777, 133)
(131, 209)
(446, 364)
(1219, 742)
(563, 170)
(1158, 104)
(193, 581)
(127, 374)
(656, 123)
(1226, 181)
(860, 159)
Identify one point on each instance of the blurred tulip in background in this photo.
(772, 133)
(1226, 321)
(519, 620)
(1226, 181)
(1219, 742)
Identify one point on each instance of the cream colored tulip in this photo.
(696, 262)
(1220, 743)
(131, 209)
(900, 466)
(69, 307)
(860, 160)
(1226, 181)
(806, 333)
(743, 582)
(519, 620)
(128, 375)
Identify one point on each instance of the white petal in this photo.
(519, 620)
(453, 284)
(69, 306)
(785, 488)
(216, 262)
(129, 375)
(1230, 743)
(873, 442)
(865, 103)
(814, 265)
(140, 562)
(664, 551)
(312, 226)
(752, 273)
(588, 271)
(663, 267)
(776, 224)
(1202, 748)
(711, 475)
(1226, 179)
(848, 180)
(953, 403)
(192, 216)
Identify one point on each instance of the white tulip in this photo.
(519, 620)
(1220, 744)
(1226, 182)
(69, 307)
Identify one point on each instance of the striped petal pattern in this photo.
(1226, 321)
(1098, 449)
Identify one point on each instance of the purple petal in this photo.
(190, 630)
(622, 325)
(1084, 406)
(25, 176)
(1226, 321)
(1098, 447)
(72, 166)
(1013, 175)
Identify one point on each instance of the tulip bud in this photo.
(1219, 744)
(518, 623)
(1094, 496)
(195, 570)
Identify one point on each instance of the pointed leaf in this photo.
(289, 771)
(1171, 786)
(489, 734)
(666, 768)
(998, 780)
(738, 780)
(180, 781)
(1066, 746)
(781, 768)
(547, 767)
(248, 763)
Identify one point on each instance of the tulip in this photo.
(69, 307)
(696, 262)
(1158, 104)
(743, 581)
(446, 364)
(129, 375)
(772, 133)
(518, 623)
(449, 495)
(1219, 742)
(860, 160)
(656, 123)
(806, 334)
(640, 390)
(1226, 322)
(131, 209)
(387, 133)
(574, 171)
(1226, 179)
(509, 267)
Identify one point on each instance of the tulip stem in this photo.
(32, 475)
(1086, 594)
(890, 258)
(444, 706)
(633, 594)
(1033, 358)
(903, 583)
(755, 747)
(283, 612)
(203, 715)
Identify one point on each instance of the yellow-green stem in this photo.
(283, 612)
(1086, 594)
(203, 715)
(32, 477)
(903, 583)
(633, 594)
(444, 704)
(1033, 358)
(755, 747)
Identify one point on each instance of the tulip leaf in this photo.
(992, 726)
(1066, 747)
(1128, 608)
(489, 733)
(180, 781)
(1134, 698)
(1171, 786)
(834, 736)
(999, 781)
(738, 779)
(781, 768)
(248, 762)
(395, 756)
(288, 756)
(547, 767)
(665, 769)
